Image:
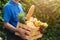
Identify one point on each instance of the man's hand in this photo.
(22, 33)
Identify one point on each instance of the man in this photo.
(10, 19)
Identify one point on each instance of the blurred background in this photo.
(46, 11)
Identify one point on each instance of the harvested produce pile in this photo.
(31, 25)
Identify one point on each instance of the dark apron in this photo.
(11, 35)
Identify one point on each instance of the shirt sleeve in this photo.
(21, 9)
(6, 14)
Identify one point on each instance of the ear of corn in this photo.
(30, 12)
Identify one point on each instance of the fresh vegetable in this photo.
(30, 12)
(44, 24)
(30, 24)
(41, 29)
(21, 17)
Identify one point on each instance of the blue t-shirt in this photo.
(11, 11)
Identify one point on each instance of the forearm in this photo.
(9, 26)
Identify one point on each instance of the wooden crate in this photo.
(34, 32)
